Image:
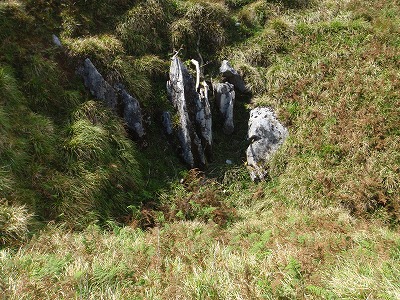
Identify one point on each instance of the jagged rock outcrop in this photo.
(266, 134)
(225, 99)
(193, 108)
(233, 77)
(102, 90)
(96, 84)
(132, 113)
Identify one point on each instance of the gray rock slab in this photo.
(180, 87)
(225, 98)
(266, 134)
(204, 118)
(97, 85)
(132, 114)
(167, 122)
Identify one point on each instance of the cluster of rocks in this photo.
(190, 100)
(115, 97)
(194, 129)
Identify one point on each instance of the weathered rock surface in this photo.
(113, 97)
(204, 119)
(266, 134)
(194, 113)
(167, 122)
(132, 114)
(98, 87)
(233, 77)
(225, 98)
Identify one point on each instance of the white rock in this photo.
(266, 134)
(193, 109)
(225, 97)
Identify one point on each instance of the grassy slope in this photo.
(325, 226)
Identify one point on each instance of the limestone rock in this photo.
(194, 131)
(225, 97)
(233, 77)
(204, 119)
(102, 90)
(132, 114)
(266, 134)
(98, 87)
(167, 122)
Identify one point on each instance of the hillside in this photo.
(88, 210)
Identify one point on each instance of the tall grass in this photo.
(200, 29)
(144, 28)
(341, 147)
(61, 166)
(100, 48)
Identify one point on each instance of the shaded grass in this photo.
(81, 168)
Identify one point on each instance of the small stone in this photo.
(167, 122)
(56, 40)
(233, 77)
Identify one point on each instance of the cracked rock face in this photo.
(266, 134)
(225, 97)
(97, 86)
(194, 131)
(233, 77)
